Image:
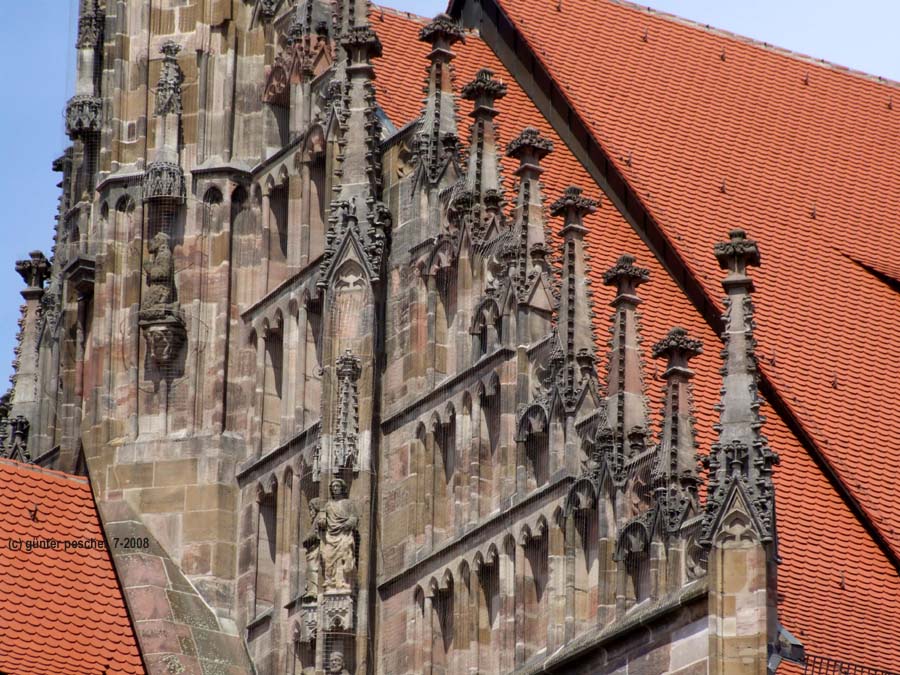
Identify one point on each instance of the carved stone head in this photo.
(159, 241)
(338, 488)
(336, 663)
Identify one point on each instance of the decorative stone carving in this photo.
(337, 523)
(90, 25)
(336, 664)
(267, 9)
(484, 89)
(313, 547)
(163, 180)
(346, 453)
(16, 446)
(168, 89)
(83, 116)
(305, 630)
(362, 43)
(442, 31)
(160, 318)
(338, 610)
(160, 274)
(164, 339)
(531, 140)
(34, 270)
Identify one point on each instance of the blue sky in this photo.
(37, 50)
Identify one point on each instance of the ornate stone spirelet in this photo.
(168, 89)
(345, 448)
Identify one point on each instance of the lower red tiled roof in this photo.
(839, 593)
(61, 610)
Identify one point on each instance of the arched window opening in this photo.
(278, 235)
(312, 398)
(419, 468)
(537, 572)
(444, 469)
(487, 329)
(443, 607)
(489, 629)
(583, 547)
(420, 631)
(265, 551)
(273, 390)
(317, 215)
(445, 308)
(489, 431)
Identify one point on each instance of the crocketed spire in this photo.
(675, 471)
(741, 459)
(438, 139)
(575, 332)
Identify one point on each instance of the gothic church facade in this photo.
(343, 364)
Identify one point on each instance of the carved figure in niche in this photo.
(312, 545)
(163, 342)
(338, 522)
(336, 664)
(160, 273)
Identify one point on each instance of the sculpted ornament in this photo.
(337, 523)
(336, 664)
(160, 274)
(313, 544)
(159, 317)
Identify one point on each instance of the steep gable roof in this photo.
(714, 131)
(837, 587)
(61, 609)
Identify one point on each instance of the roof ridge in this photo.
(418, 18)
(398, 12)
(761, 44)
(34, 468)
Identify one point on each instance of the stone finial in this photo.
(675, 470)
(168, 89)
(736, 255)
(34, 270)
(484, 90)
(530, 144)
(678, 349)
(573, 207)
(626, 277)
(362, 43)
(442, 32)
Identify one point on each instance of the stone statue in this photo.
(336, 664)
(312, 544)
(160, 273)
(338, 522)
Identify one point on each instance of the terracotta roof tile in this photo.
(806, 153)
(61, 611)
(839, 591)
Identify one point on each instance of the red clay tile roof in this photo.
(713, 131)
(839, 591)
(61, 611)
